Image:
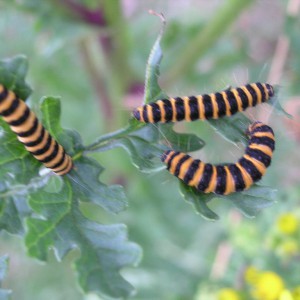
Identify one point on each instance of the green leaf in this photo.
(15, 165)
(198, 200)
(279, 109)
(184, 142)
(51, 112)
(232, 128)
(12, 213)
(11, 149)
(12, 75)
(249, 202)
(53, 215)
(140, 141)
(142, 154)
(4, 294)
(146, 143)
(104, 248)
(152, 88)
(87, 187)
(85, 178)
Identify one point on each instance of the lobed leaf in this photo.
(87, 187)
(50, 106)
(199, 201)
(54, 219)
(250, 202)
(12, 74)
(232, 128)
(146, 143)
(184, 142)
(152, 88)
(104, 248)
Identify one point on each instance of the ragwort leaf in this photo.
(184, 142)
(88, 188)
(249, 202)
(12, 75)
(104, 248)
(15, 162)
(152, 88)
(50, 106)
(54, 218)
(146, 143)
(85, 176)
(232, 128)
(198, 200)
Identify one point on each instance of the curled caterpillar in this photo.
(227, 178)
(36, 139)
(212, 106)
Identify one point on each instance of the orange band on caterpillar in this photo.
(227, 178)
(202, 107)
(36, 139)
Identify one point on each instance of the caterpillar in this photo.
(227, 178)
(36, 139)
(212, 106)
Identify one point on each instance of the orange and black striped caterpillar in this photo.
(227, 178)
(212, 106)
(32, 134)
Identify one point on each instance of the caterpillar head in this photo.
(270, 90)
(137, 113)
(252, 126)
(165, 156)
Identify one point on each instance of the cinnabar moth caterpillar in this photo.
(202, 107)
(227, 178)
(32, 134)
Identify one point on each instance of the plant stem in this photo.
(104, 139)
(206, 38)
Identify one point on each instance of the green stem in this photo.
(202, 42)
(103, 140)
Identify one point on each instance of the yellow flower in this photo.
(288, 247)
(286, 295)
(268, 286)
(228, 294)
(251, 275)
(287, 223)
(296, 293)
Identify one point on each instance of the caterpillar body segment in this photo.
(36, 139)
(227, 178)
(202, 107)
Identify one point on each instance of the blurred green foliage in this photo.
(4, 294)
(93, 54)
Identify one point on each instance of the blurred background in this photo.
(93, 54)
